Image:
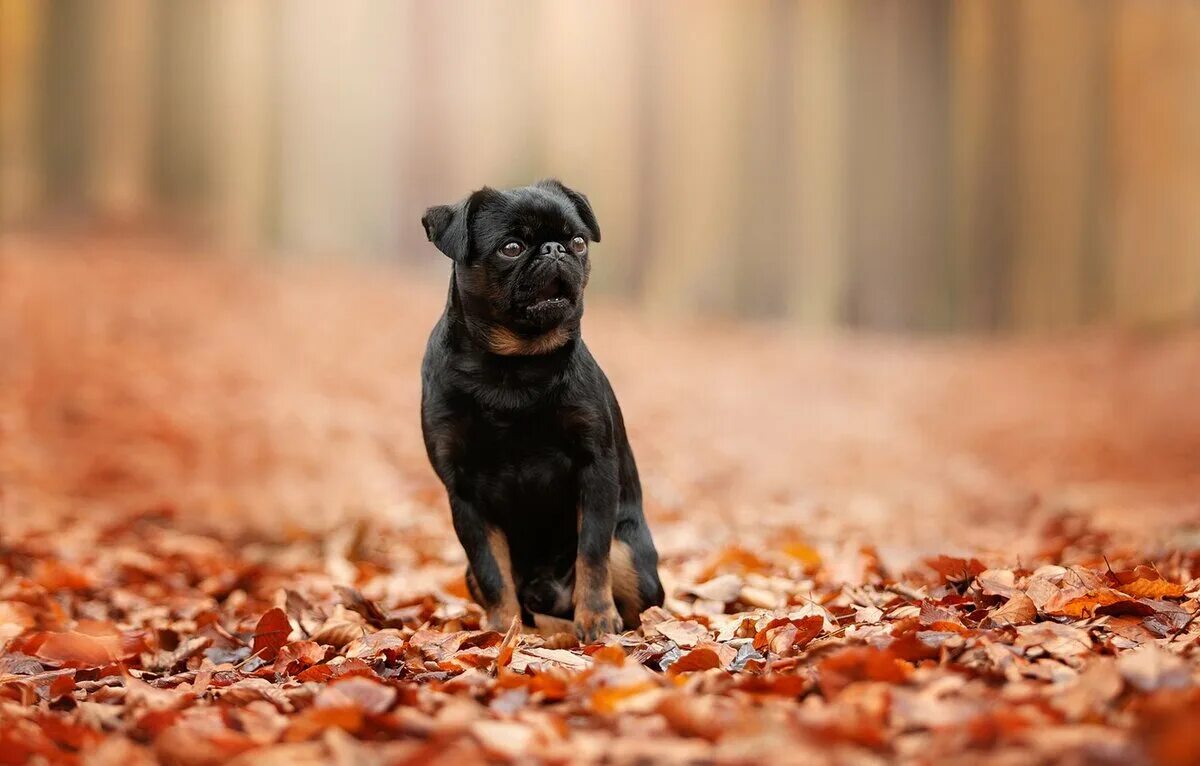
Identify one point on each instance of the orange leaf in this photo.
(1147, 588)
(77, 649)
(853, 664)
(803, 553)
(607, 699)
(504, 656)
(1085, 606)
(315, 720)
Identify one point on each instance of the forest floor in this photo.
(221, 537)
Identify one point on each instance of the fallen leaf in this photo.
(271, 634)
(77, 649)
(503, 739)
(723, 589)
(956, 569)
(854, 664)
(1149, 669)
(705, 656)
(363, 694)
(1157, 588)
(685, 633)
(1018, 610)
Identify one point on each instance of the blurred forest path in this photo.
(281, 399)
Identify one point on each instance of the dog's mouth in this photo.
(554, 294)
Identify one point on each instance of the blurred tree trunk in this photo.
(815, 231)
(22, 30)
(758, 285)
(982, 125)
(184, 107)
(465, 126)
(64, 120)
(899, 169)
(1059, 123)
(119, 142)
(1155, 147)
(700, 111)
(242, 119)
(603, 116)
(340, 160)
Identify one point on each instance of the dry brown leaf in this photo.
(298, 655)
(388, 642)
(685, 633)
(1018, 610)
(503, 739)
(363, 694)
(722, 589)
(997, 582)
(342, 627)
(1150, 668)
(523, 658)
(1054, 638)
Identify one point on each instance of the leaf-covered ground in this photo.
(221, 539)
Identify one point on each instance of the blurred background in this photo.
(908, 165)
(887, 271)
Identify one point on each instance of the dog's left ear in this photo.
(582, 206)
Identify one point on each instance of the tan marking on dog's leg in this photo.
(624, 576)
(595, 611)
(500, 614)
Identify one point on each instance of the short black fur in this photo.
(521, 424)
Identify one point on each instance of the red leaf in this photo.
(704, 657)
(956, 570)
(271, 634)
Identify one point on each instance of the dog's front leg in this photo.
(595, 612)
(489, 564)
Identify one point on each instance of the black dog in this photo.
(522, 426)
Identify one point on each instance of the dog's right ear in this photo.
(447, 228)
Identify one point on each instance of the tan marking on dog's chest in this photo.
(505, 342)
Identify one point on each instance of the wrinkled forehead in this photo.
(526, 212)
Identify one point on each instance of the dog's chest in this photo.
(526, 462)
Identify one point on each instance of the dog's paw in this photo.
(592, 625)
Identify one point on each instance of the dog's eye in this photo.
(512, 249)
(578, 245)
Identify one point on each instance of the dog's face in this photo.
(520, 261)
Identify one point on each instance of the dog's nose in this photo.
(554, 249)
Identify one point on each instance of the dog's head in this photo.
(520, 262)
